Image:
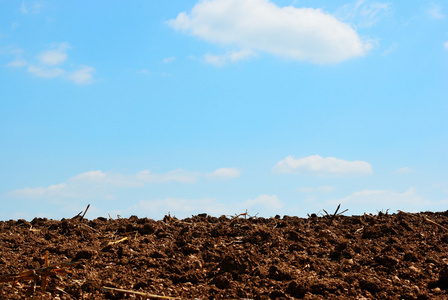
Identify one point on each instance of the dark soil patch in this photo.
(399, 256)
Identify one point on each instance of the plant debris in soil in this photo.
(383, 256)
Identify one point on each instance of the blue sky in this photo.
(278, 107)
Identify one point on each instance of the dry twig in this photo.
(427, 220)
(79, 215)
(438, 225)
(116, 242)
(335, 213)
(151, 296)
(39, 274)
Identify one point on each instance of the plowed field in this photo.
(384, 256)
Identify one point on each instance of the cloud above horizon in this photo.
(93, 184)
(302, 34)
(374, 200)
(262, 205)
(320, 166)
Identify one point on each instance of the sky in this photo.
(183, 107)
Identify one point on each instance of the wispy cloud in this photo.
(404, 170)
(30, 7)
(12, 50)
(45, 72)
(50, 64)
(93, 184)
(178, 175)
(390, 50)
(232, 56)
(40, 192)
(264, 202)
(320, 166)
(321, 189)
(55, 56)
(372, 200)
(262, 205)
(23, 8)
(224, 173)
(84, 75)
(446, 45)
(303, 34)
(179, 207)
(169, 59)
(17, 63)
(435, 11)
(363, 13)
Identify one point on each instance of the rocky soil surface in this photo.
(384, 256)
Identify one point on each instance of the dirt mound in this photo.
(399, 256)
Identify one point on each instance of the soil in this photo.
(384, 256)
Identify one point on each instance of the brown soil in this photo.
(399, 256)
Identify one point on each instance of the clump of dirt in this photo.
(384, 256)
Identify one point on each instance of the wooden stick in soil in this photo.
(44, 277)
(50, 270)
(438, 225)
(82, 217)
(116, 242)
(427, 220)
(77, 216)
(151, 296)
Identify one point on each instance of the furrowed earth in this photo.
(383, 256)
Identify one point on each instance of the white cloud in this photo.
(306, 190)
(45, 72)
(33, 8)
(264, 202)
(303, 34)
(11, 50)
(178, 207)
(48, 64)
(363, 13)
(317, 165)
(169, 59)
(323, 189)
(441, 187)
(84, 75)
(263, 205)
(376, 200)
(326, 188)
(446, 45)
(93, 184)
(18, 63)
(224, 173)
(23, 8)
(404, 170)
(178, 175)
(55, 56)
(232, 56)
(435, 11)
(391, 49)
(15, 25)
(40, 192)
